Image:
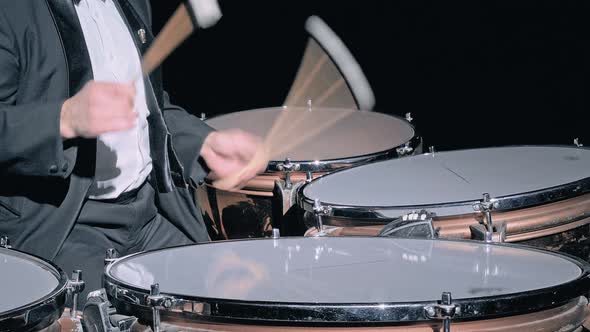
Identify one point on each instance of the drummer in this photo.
(89, 158)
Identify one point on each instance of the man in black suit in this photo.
(91, 158)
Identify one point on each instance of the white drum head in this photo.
(358, 134)
(344, 270)
(24, 280)
(450, 177)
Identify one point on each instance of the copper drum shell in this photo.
(356, 139)
(252, 206)
(566, 318)
(553, 226)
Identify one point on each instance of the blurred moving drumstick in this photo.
(328, 77)
(328, 64)
(190, 14)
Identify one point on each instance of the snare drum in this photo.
(359, 138)
(351, 284)
(539, 196)
(32, 292)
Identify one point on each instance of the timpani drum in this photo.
(358, 138)
(538, 195)
(32, 292)
(351, 284)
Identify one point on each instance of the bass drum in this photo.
(252, 212)
(351, 284)
(539, 196)
(33, 293)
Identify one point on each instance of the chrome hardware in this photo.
(309, 105)
(5, 242)
(404, 150)
(157, 302)
(111, 256)
(124, 294)
(412, 225)
(142, 36)
(431, 150)
(308, 177)
(319, 211)
(487, 232)
(288, 166)
(409, 117)
(100, 315)
(445, 310)
(203, 117)
(578, 143)
(276, 233)
(284, 197)
(288, 183)
(75, 287)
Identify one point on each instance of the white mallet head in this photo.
(348, 66)
(205, 13)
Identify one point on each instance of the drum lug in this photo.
(445, 310)
(431, 150)
(487, 232)
(75, 287)
(409, 117)
(110, 256)
(5, 242)
(126, 295)
(157, 302)
(404, 150)
(578, 143)
(412, 225)
(288, 166)
(320, 211)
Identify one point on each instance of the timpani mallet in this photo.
(190, 14)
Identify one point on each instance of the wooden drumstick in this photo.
(310, 133)
(202, 13)
(285, 133)
(271, 149)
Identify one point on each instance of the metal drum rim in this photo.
(53, 302)
(310, 314)
(336, 164)
(501, 203)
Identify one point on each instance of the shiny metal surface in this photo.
(33, 291)
(452, 182)
(566, 318)
(313, 280)
(251, 212)
(360, 137)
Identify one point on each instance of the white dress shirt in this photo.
(122, 158)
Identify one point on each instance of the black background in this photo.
(472, 73)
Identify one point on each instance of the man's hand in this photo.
(97, 109)
(234, 157)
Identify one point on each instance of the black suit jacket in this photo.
(44, 180)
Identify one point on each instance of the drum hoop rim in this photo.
(501, 203)
(51, 300)
(344, 162)
(277, 312)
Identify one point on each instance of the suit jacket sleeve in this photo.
(30, 141)
(188, 134)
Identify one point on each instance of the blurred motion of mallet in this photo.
(189, 15)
